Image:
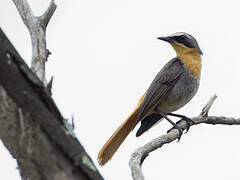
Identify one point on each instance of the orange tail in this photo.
(112, 145)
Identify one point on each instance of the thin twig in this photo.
(141, 153)
(37, 29)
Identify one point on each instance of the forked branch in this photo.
(141, 153)
(37, 27)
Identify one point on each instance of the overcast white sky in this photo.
(104, 56)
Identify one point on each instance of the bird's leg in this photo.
(173, 123)
(188, 120)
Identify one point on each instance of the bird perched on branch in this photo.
(172, 88)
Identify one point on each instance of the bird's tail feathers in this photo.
(112, 145)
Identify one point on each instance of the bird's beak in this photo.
(167, 39)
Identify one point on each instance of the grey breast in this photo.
(182, 92)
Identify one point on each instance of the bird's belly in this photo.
(181, 94)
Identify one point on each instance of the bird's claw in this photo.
(189, 122)
(179, 130)
(180, 134)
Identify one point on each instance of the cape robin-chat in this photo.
(172, 88)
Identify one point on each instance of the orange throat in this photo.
(191, 58)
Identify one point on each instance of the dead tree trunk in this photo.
(32, 128)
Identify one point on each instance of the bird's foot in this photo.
(180, 130)
(189, 122)
(175, 126)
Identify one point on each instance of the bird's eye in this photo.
(179, 39)
(185, 41)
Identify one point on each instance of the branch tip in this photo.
(207, 107)
(48, 13)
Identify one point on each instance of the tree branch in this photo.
(24, 11)
(141, 153)
(32, 128)
(37, 27)
(49, 12)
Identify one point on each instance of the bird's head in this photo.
(183, 43)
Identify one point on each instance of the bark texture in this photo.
(32, 128)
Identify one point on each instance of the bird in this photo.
(173, 87)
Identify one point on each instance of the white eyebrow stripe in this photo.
(178, 34)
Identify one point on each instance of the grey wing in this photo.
(161, 86)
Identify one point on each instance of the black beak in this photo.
(167, 39)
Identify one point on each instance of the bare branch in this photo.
(32, 128)
(25, 11)
(207, 107)
(37, 28)
(48, 13)
(141, 153)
